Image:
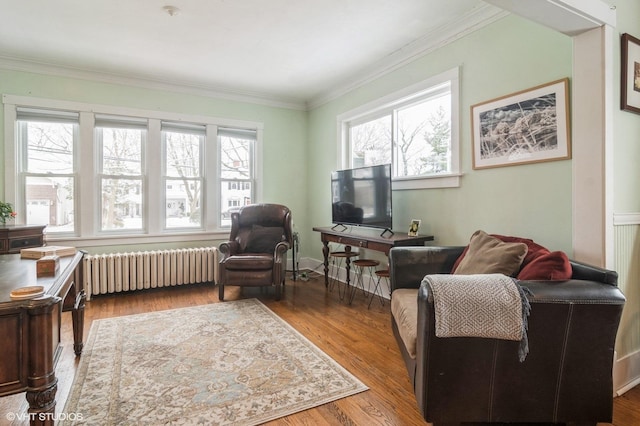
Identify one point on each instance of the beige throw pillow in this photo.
(489, 255)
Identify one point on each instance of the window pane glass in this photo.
(49, 147)
(371, 142)
(424, 138)
(121, 151)
(233, 195)
(183, 203)
(182, 157)
(49, 201)
(121, 204)
(235, 158)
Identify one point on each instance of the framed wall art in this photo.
(524, 127)
(630, 69)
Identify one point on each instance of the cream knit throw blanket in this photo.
(485, 305)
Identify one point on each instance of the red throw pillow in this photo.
(551, 266)
(534, 250)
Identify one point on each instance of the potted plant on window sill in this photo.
(6, 212)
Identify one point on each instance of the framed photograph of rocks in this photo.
(529, 126)
(630, 90)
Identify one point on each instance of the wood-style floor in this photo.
(358, 338)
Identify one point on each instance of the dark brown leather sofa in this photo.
(256, 253)
(566, 376)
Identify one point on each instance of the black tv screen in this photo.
(362, 196)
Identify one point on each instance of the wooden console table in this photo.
(31, 330)
(364, 238)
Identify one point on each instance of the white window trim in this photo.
(443, 180)
(87, 233)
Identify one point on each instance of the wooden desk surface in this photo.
(16, 272)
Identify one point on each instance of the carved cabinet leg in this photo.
(77, 315)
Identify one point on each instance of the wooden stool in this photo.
(383, 273)
(335, 274)
(361, 265)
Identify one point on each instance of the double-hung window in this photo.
(183, 178)
(415, 129)
(121, 142)
(101, 173)
(47, 167)
(237, 170)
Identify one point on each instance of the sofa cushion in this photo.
(489, 255)
(549, 266)
(404, 309)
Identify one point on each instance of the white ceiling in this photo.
(289, 51)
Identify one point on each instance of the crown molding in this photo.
(439, 37)
(39, 67)
(466, 24)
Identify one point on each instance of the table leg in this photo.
(348, 264)
(325, 253)
(77, 315)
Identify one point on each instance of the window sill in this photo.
(450, 180)
(135, 240)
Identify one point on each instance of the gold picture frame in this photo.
(529, 126)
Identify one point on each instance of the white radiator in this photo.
(118, 272)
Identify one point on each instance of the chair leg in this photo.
(279, 291)
(221, 292)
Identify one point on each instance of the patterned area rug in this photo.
(225, 363)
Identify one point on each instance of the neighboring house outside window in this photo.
(415, 129)
(46, 168)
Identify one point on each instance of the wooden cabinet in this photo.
(16, 237)
(30, 330)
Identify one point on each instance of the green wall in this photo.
(626, 178)
(529, 200)
(300, 148)
(284, 151)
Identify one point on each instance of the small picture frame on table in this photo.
(413, 228)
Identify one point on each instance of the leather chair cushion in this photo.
(404, 308)
(263, 239)
(250, 261)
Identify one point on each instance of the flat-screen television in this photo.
(362, 196)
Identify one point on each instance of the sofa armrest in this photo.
(409, 265)
(571, 330)
(582, 271)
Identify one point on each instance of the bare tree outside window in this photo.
(183, 190)
(416, 138)
(236, 175)
(121, 182)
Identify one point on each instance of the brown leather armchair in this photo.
(256, 253)
(566, 377)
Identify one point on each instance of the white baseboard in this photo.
(626, 373)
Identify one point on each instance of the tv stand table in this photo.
(364, 238)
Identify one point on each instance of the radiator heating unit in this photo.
(118, 272)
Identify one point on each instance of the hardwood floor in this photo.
(358, 338)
